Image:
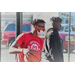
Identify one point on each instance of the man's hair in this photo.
(36, 22)
(55, 19)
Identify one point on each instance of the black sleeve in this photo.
(53, 50)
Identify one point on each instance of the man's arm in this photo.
(14, 48)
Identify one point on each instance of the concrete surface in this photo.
(6, 57)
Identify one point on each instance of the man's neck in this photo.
(34, 33)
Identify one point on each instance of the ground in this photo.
(6, 57)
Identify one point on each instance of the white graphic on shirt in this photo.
(34, 45)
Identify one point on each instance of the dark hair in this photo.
(37, 21)
(56, 19)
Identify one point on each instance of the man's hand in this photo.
(24, 50)
(28, 53)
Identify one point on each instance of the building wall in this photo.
(45, 16)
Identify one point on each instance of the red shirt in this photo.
(26, 40)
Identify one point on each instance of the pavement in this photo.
(6, 57)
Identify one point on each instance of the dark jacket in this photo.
(53, 46)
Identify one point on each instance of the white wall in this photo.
(45, 16)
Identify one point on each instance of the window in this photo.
(10, 27)
(66, 29)
(8, 36)
(73, 28)
(66, 20)
(26, 28)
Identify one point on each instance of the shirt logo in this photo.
(33, 44)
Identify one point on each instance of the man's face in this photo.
(40, 26)
(57, 25)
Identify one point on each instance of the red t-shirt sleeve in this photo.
(20, 38)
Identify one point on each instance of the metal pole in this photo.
(69, 37)
(21, 20)
(18, 24)
(0, 36)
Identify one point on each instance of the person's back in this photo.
(53, 44)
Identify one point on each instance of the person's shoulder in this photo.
(23, 34)
(49, 32)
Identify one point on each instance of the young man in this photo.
(53, 46)
(29, 41)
